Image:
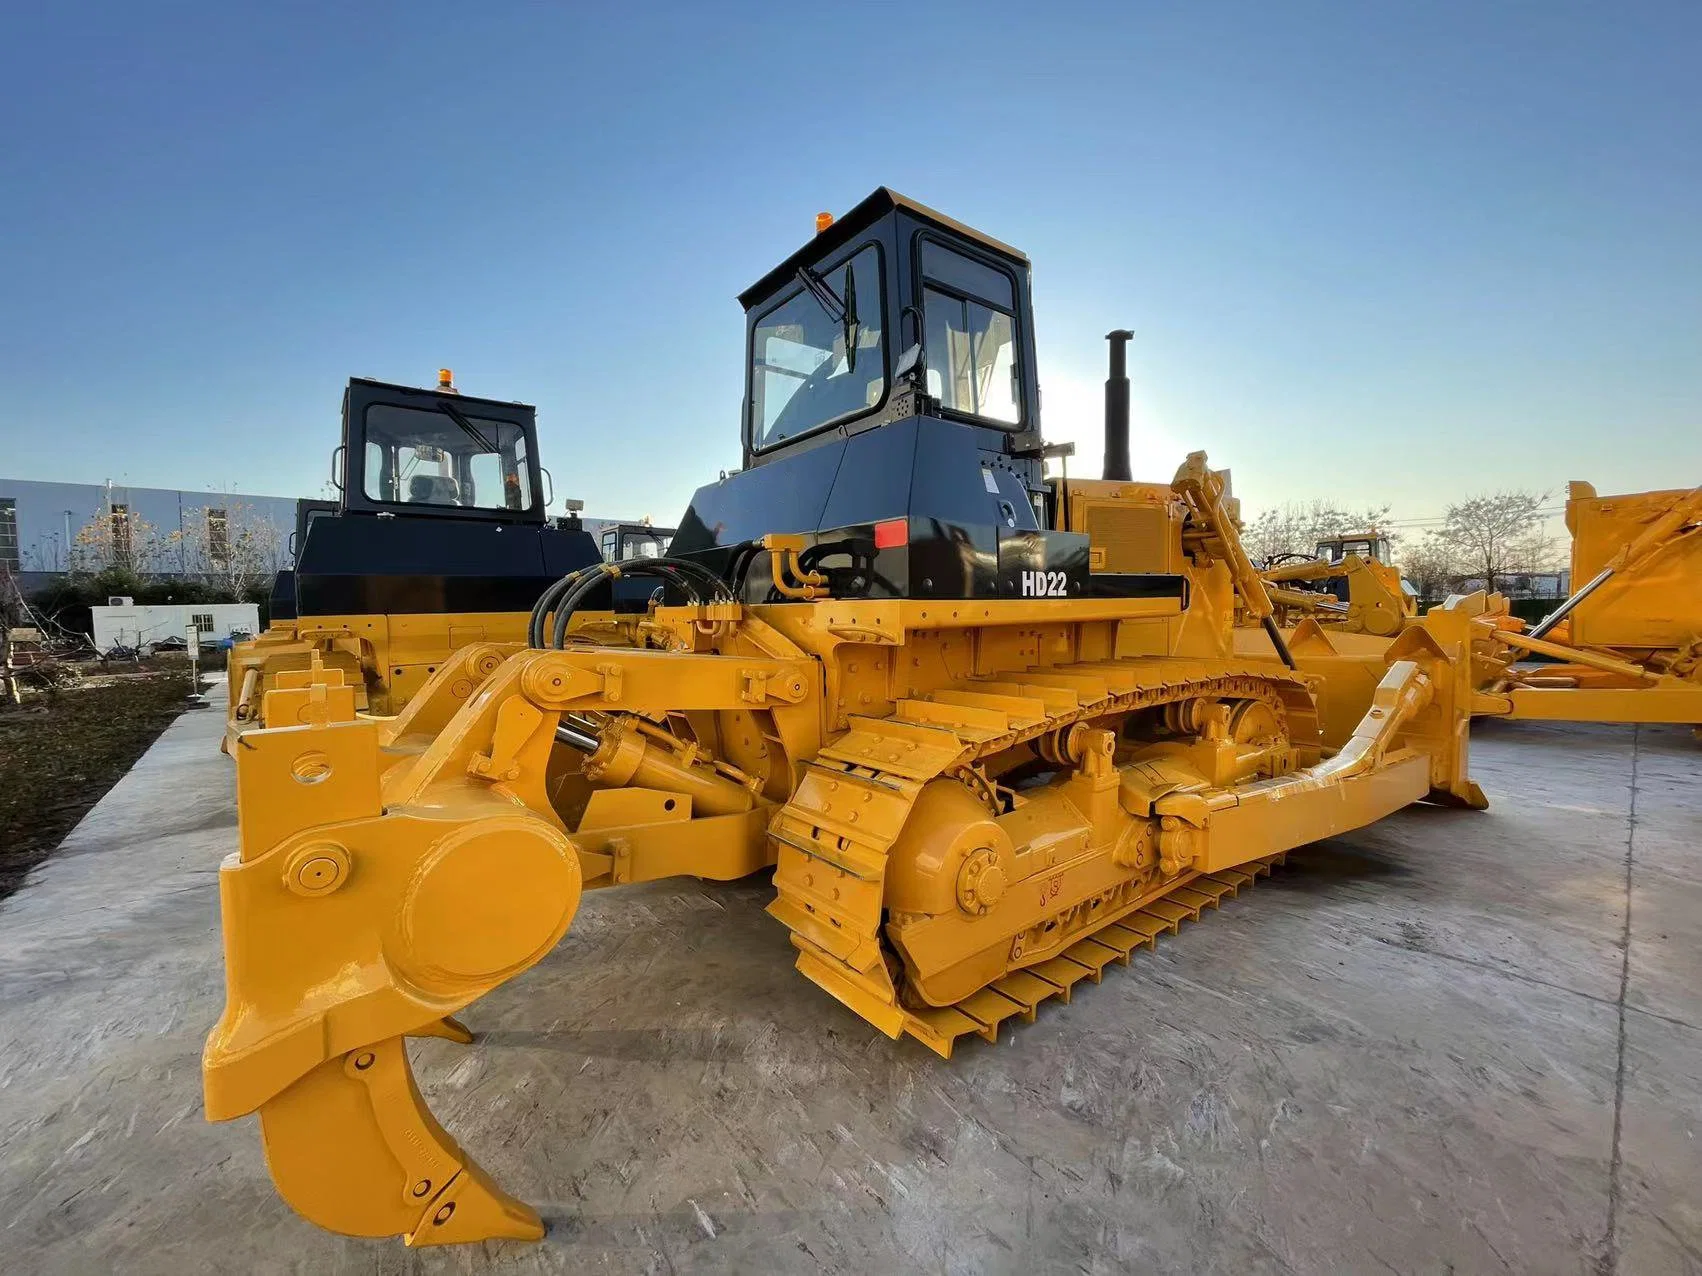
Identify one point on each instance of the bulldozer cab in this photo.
(438, 454)
(891, 420)
(1372, 545)
(441, 510)
(306, 513)
(892, 309)
(622, 542)
(281, 605)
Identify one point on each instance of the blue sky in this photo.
(1371, 251)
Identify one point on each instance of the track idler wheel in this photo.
(353, 1148)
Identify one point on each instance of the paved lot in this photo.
(1455, 1042)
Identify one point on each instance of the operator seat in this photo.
(433, 489)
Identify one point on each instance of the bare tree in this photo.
(1486, 534)
(235, 548)
(13, 614)
(1430, 565)
(1296, 528)
(117, 537)
(1536, 551)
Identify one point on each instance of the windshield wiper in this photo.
(823, 293)
(850, 323)
(844, 313)
(454, 414)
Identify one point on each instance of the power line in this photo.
(1439, 520)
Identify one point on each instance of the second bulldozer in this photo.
(1362, 591)
(1627, 645)
(982, 765)
(438, 539)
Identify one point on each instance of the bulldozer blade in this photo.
(353, 1148)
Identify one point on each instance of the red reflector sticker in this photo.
(892, 533)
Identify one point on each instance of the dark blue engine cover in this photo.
(971, 530)
(920, 464)
(281, 606)
(361, 565)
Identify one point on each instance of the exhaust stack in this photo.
(1117, 409)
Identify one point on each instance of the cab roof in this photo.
(458, 396)
(869, 211)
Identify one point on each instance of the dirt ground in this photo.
(60, 751)
(1456, 1041)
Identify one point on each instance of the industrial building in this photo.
(47, 529)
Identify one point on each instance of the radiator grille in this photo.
(1135, 538)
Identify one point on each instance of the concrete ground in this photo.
(1455, 1042)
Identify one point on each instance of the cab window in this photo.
(636, 543)
(446, 458)
(1336, 551)
(819, 355)
(969, 334)
(626, 543)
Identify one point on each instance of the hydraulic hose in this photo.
(546, 603)
(568, 594)
(577, 594)
(720, 587)
(739, 566)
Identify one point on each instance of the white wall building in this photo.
(47, 528)
(130, 625)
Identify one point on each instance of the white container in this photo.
(141, 626)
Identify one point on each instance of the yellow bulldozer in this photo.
(1361, 592)
(438, 539)
(989, 732)
(1627, 645)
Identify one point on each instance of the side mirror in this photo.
(909, 363)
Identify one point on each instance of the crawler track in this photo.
(1021, 992)
(835, 834)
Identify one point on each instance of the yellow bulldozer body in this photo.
(386, 660)
(991, 734)
(970, 806)
(1653, 601)
(1627, 646)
